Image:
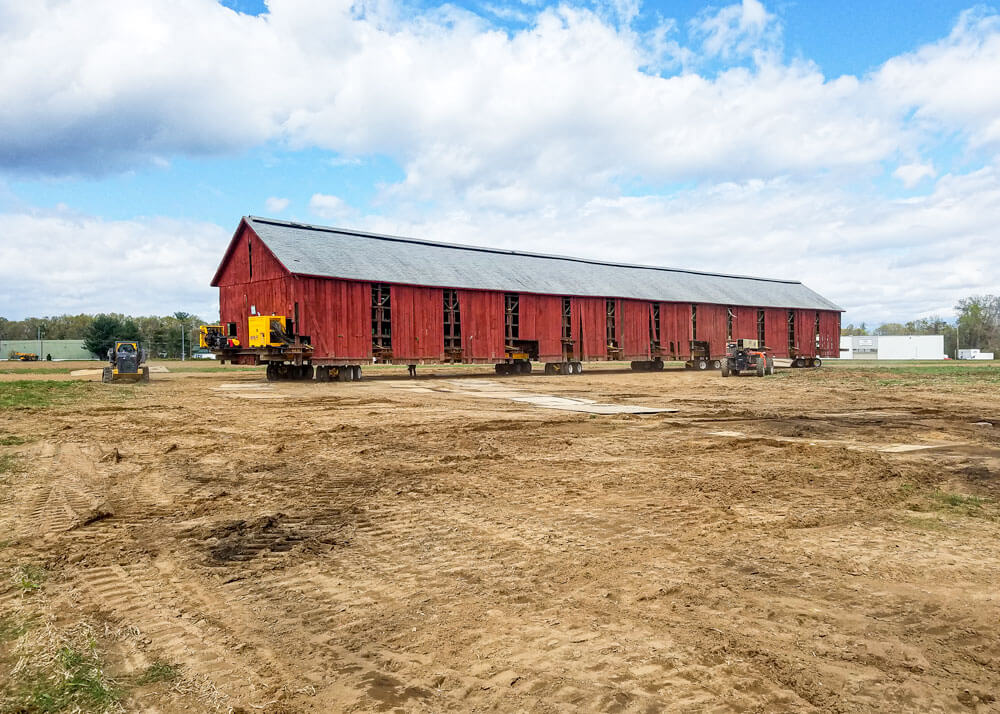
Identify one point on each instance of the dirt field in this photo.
(212, 542)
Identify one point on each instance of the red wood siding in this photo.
(336, 314)
(805, 332)
(634, 320)
(541, 320)
(482, 324)
(675, 327)
(776, 331)
(829, 334)
(589, 328)
(712, 328)
(417, 322)
(745, 323)
(236, 270)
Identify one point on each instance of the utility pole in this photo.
(40, 342)
(182, 341)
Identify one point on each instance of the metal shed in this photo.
(361, 296)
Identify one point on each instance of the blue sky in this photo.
(855, 143)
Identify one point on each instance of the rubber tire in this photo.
(632, 366)
(717, 364)
(578, 366)
(345, 374)
(107, 375)
(549, 368)
(701, 365)
(271, 372)
(357, 372)
(725, 368)
(770, 365)
(658, 365)
(499, 368)
(524, 368)
(565, 368)
(144, 372)
(322, 374)
(817, 362)
(307, 372)
(761, 366)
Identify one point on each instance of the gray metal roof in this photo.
(356, 255)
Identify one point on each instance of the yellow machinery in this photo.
(212, 337)
(126, 360)
(268, 331)
(271, 340)
(26, 356)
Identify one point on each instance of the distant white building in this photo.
(974, 354)
(892, 347)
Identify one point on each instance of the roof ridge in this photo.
(503, 251)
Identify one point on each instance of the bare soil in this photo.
(776, 544)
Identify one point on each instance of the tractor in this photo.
(126, 360)
(745, 356)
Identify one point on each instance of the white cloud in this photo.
(912, 174)
(737, 30)
(61, 262)
(330, 207)
(564, 106)
(276, 205)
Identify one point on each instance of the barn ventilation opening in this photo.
(791, 329)
(381, 320)
(511, 317)
(816, 330)
(654, 329)
(760, 328)
(694, 322)
(452, 324)
(729, 323)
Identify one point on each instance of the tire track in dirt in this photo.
(64, 490)
(191, 644)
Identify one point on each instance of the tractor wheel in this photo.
(817, 362)
(549, 369)
(345, 374)
(632, 366)
(761, 366)
(271, 372)
(725, 368)
(702, 364)
(770, 365)
(657, 365)
(107, 375)
(524, 368)
(717, 364)
(322, 374)
(576, 367)
(498, 368)
(357, 372)
(565, 368)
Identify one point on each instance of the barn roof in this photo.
(356, 255)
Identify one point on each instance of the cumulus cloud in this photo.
(330, 207)
(912, 174)
(62, 262)
(573, 103)
(737, 30)
(276, 205)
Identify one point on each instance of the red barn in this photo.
(360, 297)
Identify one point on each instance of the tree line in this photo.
(160, 335)
(977, 325)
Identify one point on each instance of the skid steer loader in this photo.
(126, 360)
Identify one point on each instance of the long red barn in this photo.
(360, 296)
